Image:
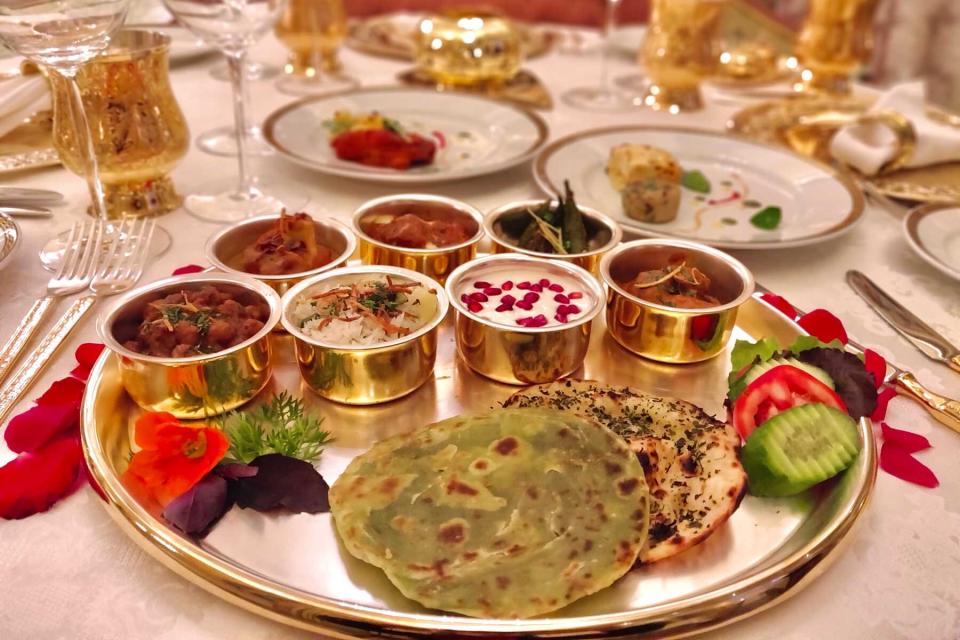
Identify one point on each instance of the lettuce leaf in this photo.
(803, 343)
(745, 354)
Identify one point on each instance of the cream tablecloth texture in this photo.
(72, 574)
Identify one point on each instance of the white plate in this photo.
(482, 136)
(817, 202)
(934, 233)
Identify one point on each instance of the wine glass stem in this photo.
(81, 129)
(237, 63)
(609, 19)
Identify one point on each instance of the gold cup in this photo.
(198, 386)
(313, 31)
(360, 375)
(468, 47)
(677, 52)
(836, 38)
(504, 225)
(671, 334)
(224, 248)
(139, 133)
(521, 355)
(435, 263)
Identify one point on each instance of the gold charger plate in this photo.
(291, 567)
(30, 145)
(523, 89)
(772, 121)
(393, 36)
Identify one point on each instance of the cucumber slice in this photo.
(761, 368)
(796, 449)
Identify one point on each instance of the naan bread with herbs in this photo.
(691, 461)
(506, 514)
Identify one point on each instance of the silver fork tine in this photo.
(146, 237)
(70, 259)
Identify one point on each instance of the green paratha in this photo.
(506, 514)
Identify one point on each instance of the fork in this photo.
(76, 269)
(118, 270)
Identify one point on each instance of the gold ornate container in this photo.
(522, 355)
(468, 47)
(602, 232)
(671, 334)
(363, 375)
(224, 248)
(435, 263)
(139, 133)
(199, 386)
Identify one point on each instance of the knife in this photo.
(25, 212)
(920, 334)
(21, 195)
(944, 410)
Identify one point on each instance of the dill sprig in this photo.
(280, 426)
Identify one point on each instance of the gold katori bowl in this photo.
(503, 225)
(224, 249)
(436, 263)
(197, 386)
(671, 334)
(364, 375)
(522, 355)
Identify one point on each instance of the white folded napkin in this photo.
(867, 147)
(20, 98)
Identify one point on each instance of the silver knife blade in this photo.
(28, 196)
(26, 212)
(905, 322)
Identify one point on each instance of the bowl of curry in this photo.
(432, 235)
(672, 300)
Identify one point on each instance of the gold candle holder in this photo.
(464, 47)
(139, 133)
(677, 52)
(836, 38)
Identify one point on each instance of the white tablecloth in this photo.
(71, 573)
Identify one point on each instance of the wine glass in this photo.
(232, 26)
(602, 96)
(61, 36)
(313, 31)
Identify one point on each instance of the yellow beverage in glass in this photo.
(837, 37)
(313, 30)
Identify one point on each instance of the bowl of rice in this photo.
(365, 334)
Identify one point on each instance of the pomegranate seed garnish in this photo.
(573, 309)
(504, 307)
(526, 306)
(556, 288)
(492, 291)
(561, 298)
(475, 307)
(538, 320)
(575, 295)
(544, 282)
(523, 285)
(508, 299)
(480, 284)
(536, 287)
(560, 318)
(531, 296)
(464, 298)
(478, 297)
(506, 286)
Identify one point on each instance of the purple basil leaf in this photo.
(195, 511)
(282, 481)
(855, 385)
(235, 470)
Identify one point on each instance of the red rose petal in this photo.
(906, 440)
(65, 391)
(780, 304)
(187, 268)
(88, 352)
(883, 399)
(876, 365)
(34, 428)
(824, 326)
(899, 463)
(33, 482)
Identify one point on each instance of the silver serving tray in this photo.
(292, 568)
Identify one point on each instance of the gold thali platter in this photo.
(293, 569)
(776, 121)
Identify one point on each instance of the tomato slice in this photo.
(777, 390)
